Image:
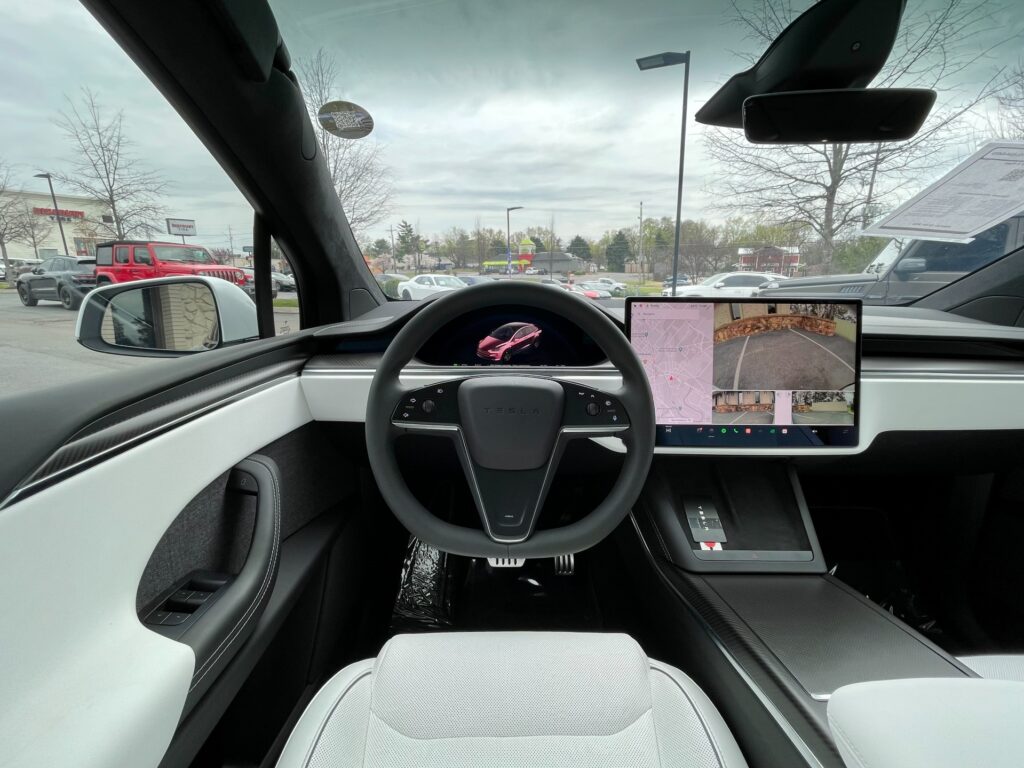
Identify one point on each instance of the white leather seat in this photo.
(997, 666)
(510, 699)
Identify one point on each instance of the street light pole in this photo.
(667, 60)
(508, 237)
(56, 209)
(640, 254)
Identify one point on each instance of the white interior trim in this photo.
(82, 681)
(889, 401)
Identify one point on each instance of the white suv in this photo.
(726, 284)
(422, 286)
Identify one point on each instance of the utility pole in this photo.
(231, 245)
(640, 249)
(394, 259)
(551, 248)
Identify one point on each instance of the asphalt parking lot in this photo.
(743, 417)
(834, 418)
(38, 347)
(788, 359)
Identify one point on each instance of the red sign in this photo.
(59, 212)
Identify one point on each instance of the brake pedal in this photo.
(565, 565)
(506, 562)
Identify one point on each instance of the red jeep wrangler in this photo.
(119, 261)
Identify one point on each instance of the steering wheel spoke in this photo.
(426, 410)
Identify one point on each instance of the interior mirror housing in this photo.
(833, 44)
(836, 116)
(166, 317)
(910, 266)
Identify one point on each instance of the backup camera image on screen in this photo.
(753, 372)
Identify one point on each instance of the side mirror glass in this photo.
(167, 317)
(720, 284)
(910, 266)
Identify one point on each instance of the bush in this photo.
(390, 288)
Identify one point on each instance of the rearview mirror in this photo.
(910, 266)
(840, 116)
(166, 317)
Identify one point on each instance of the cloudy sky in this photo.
(479, 105)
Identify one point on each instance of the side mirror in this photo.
(38, 271)
(720, 284)
(166, 317)
(910, 266)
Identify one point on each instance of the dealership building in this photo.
(83, 220)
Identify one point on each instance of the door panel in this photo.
(79, 549)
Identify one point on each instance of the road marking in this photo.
(837, 357)
(737, 418)
(739, 364)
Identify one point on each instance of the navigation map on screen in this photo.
(752, 372)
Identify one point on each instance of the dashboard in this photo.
(920, 371)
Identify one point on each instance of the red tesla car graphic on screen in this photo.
(511, 339)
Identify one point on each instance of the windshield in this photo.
(179, 253)
(557, 152)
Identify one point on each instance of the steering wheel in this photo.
(510, 429)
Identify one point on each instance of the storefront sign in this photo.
(181, 227)
(59, 212)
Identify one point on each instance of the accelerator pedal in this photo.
(565, 565)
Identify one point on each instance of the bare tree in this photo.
(12, 217)
(1010, 115)
(105, 170)
(35, 229)
(360, 177)
(836, 188)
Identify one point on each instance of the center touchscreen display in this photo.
(752, 373)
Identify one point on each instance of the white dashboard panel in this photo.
(890, 400)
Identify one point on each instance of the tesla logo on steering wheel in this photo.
(512, 411)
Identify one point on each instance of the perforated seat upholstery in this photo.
(511, 699)
(997, 666)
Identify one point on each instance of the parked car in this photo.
(475, 279)
(600, 289)
(555, 283)
(283, 282)
(590, 293)
(63, 278)
(509, 340)
(250, 283)
(681, 280)
(726, 284)
(422, 286)
(120, 261)
(612, 286)
(536, 271)
(901, 274)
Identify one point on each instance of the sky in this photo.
(479, 105)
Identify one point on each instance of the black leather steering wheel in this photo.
(510, 429)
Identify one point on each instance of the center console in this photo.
(733, 541)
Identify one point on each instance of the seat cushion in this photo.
(938, 722)
(997, 666)
(511, 699)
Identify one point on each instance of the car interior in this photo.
(368, 542)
